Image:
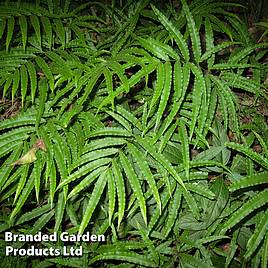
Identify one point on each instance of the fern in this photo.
(130, 125)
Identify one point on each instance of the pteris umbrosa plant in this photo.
(123, 131)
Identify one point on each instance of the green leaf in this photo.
(2, 27)
(159, 49)
(41, 222)
(183, 136)
(48, 29)
(23, 29)
(60, 208)
(165, 92)
(111, 194)
(173, 212)
(255, 202)
(15, 85)
(188, 260)
(24, 195)
(93, 201)
(87, 181)
(109, 131)
(33, 79)
(145, 169)
(248, 181)
(233, 249)
(160, 78)
(85, 170)
(198, 91)
(265, 252)
(24, 82)
(37, 212)
(127, 256)
(36, 25)
(60, 31)
(10, 29)
(121, 193)
(161, 159)
(175, 33)
(193, 32)
(37, 170)
(258, 235)
(201, 190)
(191, 202)
(248, 152)
(42, 100)
(135, 184)
(45, 68)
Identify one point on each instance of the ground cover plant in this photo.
(140, 120)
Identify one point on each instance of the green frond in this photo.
(103, 143)
(173, 212)
(6, 167)
(85, 169)
(175, 33)
(60, 207)
(23, 196)
(120, 189)
(144, 167)
(48, 30)
(47, 71)
(160, 50)
(248, 181)
(257, 201)
(191, 202)
(212, 50)
(258, 235)
(195, 38)
(109, 131)
(201, 190)
(198, 91)
(93, 201)
(128, 256)
(265, 250)
(123, 119)
(165, 92)
(111, 194)
(129, 116)
(248, 152)
(135, 184)
(42, 221)
(35, 213)
(10, 29)
(35, 22)
(183, 136)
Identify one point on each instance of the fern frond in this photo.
(161, 159)
(173, 212)
(24, 195)
(135, 184)
(248, 181)
(175, 33)
(120, 189)
(250, 153)
(193, 32)
(93, 201)
(257, 236)
(165, 92)
(162, 51)
(144, 167)
(198, 91)
(255, 202)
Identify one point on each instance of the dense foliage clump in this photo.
(142, 121)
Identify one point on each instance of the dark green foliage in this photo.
(130, 126)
